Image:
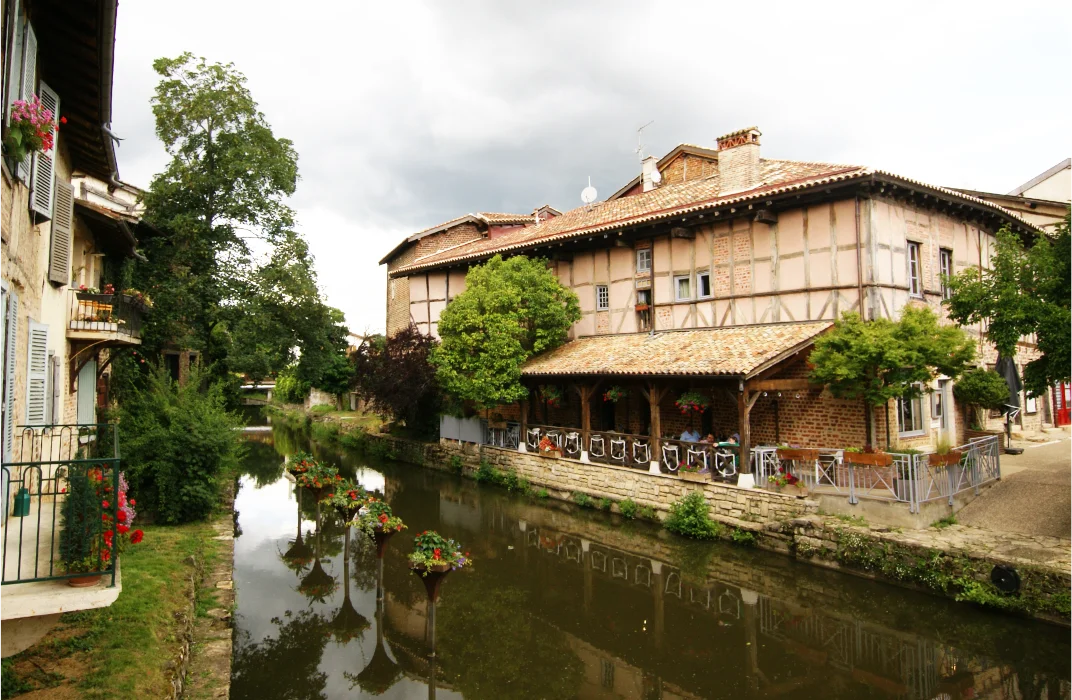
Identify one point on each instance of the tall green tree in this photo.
(1025, 291)
(395, 376)
(510, 310)
(881, 360)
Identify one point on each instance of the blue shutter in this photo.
(87, 393)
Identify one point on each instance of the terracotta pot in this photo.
(381, 537)
(432, 577)
(798, 454)
(948, 459)
(84, 581)
(871, 459)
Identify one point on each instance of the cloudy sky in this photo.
(408, 114)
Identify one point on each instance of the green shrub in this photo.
(605, 504)
(381, 449)
(688, 517)
(628, 508)
(542, 493)
(745, 538)
(485, 473)
(509, 480)
(582, 499)
(289, 389)
(647, 513)
(456, 464)
(355, 440)
(324, 432)
(178, 443)
(82, 532)
(980, 389)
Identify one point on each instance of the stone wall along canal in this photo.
(564, 603)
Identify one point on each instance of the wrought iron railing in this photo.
(114, 314)
(909, 478)
(59, 488)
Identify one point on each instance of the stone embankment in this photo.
(968, 564)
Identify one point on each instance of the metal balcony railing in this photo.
(118, 316)
(59, 487)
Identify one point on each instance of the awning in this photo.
(114, 231)
(741, 351)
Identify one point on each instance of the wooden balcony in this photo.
(111, 319)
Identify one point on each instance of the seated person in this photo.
(690, 435)
(735, 439)
(709, 439)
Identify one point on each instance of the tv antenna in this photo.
(589, 194)
(640, 146)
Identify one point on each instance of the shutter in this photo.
(37, 374)
(13, 84)
(42, 184)
(12, 312)
(50, 389)
(87, 393)
(57, 391)
(27, 86)
(59, 262)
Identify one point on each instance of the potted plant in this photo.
(96, 525)
(378, 522)
(866, 457)
(782, 480)
(434, 553)
(693, 472)
(642, 307)
(319, 479)
(798, 454)
(692, 402)
(615, 394)
(547, 448)
(299, 463)
(32, 129)
(980, 390)
(944, 455)
(137, 298)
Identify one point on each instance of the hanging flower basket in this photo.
(551, 394)
(347, 499)
(692, 402)
(615, 394)
(319, 479)
(31, 129)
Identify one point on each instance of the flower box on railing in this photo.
(944, 460)
(699, 476)
(798, 454)
(868, 459)
(553, 452)
(641, 307)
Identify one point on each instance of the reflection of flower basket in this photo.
(380, 673)
(348, 623)
(318, 584)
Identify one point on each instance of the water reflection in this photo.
(564, 604)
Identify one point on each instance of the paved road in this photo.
(1033, 496)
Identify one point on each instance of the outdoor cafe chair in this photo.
(573, 443)
(532, 438)
(597, 441)
(641, 448)
(725, 463)
(698, 455)
(554, 436)
(671, 457)
(617, 449)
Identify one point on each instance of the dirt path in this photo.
(1033, 497)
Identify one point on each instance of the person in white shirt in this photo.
(690, 435)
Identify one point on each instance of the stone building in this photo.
(714, 271)
(66, 221)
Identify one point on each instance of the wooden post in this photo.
(585, 392)
(745, 401)
(655, 395)
(524, 404)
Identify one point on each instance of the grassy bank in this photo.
(123, 651)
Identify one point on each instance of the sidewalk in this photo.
(1033, 496)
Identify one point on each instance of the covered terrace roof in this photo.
(742, 351)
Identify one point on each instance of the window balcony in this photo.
(112, 318)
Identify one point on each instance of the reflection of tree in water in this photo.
(491, 648)
(262, 462)
(284, 666)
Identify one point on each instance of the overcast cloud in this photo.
(408, 114)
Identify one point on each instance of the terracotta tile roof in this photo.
(663, 202)
(734, 350)
(668, 201)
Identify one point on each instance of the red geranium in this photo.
(136, 536)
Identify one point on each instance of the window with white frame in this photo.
(1030, 404)
(683, 288)
(945, 264)
(915, 281)
(643, 260)
(602, 297)
(910, 413)
(703, 284)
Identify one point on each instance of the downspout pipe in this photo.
(106, 40)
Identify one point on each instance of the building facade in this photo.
(716, 275)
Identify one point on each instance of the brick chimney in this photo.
(738, 160)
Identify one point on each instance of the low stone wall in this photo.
(656, 490)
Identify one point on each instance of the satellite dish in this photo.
(589, 194)
(656, 176)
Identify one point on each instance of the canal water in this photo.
(565, 603)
